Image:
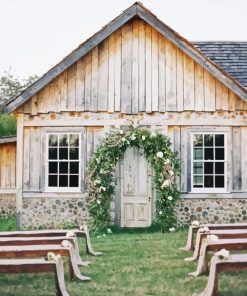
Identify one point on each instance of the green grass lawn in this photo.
(133, 264)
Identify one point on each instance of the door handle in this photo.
(149, 199)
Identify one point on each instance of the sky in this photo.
(36, 34)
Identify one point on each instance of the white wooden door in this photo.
(136, 190)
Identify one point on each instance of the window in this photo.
(208, 162)
(63, 162)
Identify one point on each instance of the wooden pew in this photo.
(23, 241)
(222, 234)
(193, 229)
(37, 266)
(57, 232)
(41, 251)
(235, 262)
(207, 246)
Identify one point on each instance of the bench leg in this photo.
(202, 262)
(89, 247)
(189, 244)
(74, 270)
(211, 288)
(60, 283)
(77, 253)
(199, 238)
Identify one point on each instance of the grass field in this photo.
(133, 264)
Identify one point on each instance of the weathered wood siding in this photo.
(134, 70)
(7, 166)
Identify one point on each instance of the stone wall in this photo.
(211, 210)
(7, 205)
(50, 212)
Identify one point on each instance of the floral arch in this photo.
(156, 148)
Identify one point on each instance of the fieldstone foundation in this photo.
(211, 210)
(45, 212)
(7, 205)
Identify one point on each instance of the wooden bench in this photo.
(22, 241)
(222, 234)
(37, 266)
(207, 246)
(41, 251)
(57, 232)
(235, 262)
(193, 229)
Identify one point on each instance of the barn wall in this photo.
(134, 70)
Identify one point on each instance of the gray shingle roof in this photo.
(229, 55)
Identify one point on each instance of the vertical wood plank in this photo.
(13, 166)
(180, 81)
(34, 162)
(80, 85)
(94, 95)
(55, 93)
(155, 73)
(209, 89)
(232, 101)
(221, 96)
(189, 83)
(63, 85)
(126, 68)
(142, 81)
(148, 69)
(26, 156)
(88, 80)
(83, 159)
(111, 73)
(162, 79)
(117, 69)
(239, 104)
(70, 102)
(34, 105)
(7, 166)
(135, 62)
(199, 88)
(177, 145)
(244, 157)
(184, 158)
(236, 162)
(3, 166)
(103, 74)
(171, 79)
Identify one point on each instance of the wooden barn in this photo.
(138, 71)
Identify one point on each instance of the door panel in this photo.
(135, 190)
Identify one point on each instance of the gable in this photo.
(134, 70)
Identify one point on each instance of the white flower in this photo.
(203, 229)
(96, 182)
(98, 160)
(172, 229)
(109, 231)
(102, 188)
(121, 132)
(160, 212)
(166, 183)
(223, 254)
(52, 257)
(213, 238)
(123, 139)
(170, 198)
(167, 161)
(98, 236)
(160, 154)
(133, 137)
(101, 171)
(195, 223)
(82, 227)
(70, 234)
(98, 202)
(104, 235)
(153, 135)
(143, 138)
(66, 244)
(171, 172)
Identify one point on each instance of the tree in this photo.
(10, 87)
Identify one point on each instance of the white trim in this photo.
(209, 190)
(62, 189)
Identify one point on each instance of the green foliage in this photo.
(8, 224)
(7, 125)
(156, 148)
(11, 86)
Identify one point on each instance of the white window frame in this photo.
(61, 189)
(209, 190)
